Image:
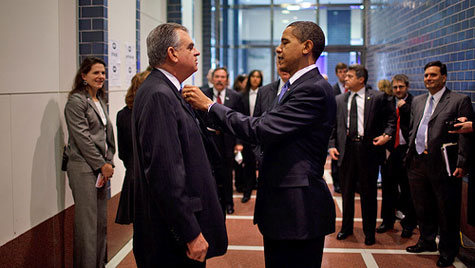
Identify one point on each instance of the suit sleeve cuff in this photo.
(211, 105)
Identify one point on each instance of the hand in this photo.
(238, 148)
(381, 140)
(107, 171)
(466, 126)
(334, 153)
(459, 172)
(197, 248)
(194, 96)
(400, 103)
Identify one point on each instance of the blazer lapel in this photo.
(368, 103)
(441, 105)
(312, 73)
(419, 112)
(345, 109)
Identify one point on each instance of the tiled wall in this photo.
(405, 35)
(93, 29)
(174, 11)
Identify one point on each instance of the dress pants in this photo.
(395, 174)
(250, 167)
(293, 253)
(335, 174)
(437, 201)
(90, 216)
(357, 166)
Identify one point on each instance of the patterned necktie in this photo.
(398, 128)
(284, 89)
(218, 98)
(421, 133)
(353, 131)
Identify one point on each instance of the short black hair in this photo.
(340, 66)
(307, 30)
(360, 71)
(437, 63)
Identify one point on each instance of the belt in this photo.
(356, 138)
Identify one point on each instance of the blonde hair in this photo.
(136, 81)
(385, 86)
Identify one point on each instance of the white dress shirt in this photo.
(360, 100)
(222, 96)
(252, 100)
(436, 97)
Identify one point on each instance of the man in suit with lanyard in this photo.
(436, 193)
(178, 220)
(365, 122)
(338, 88)
(294, 208)
(397, 173)
(226, 143)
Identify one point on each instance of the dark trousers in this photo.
(224, 181)
(293, 253)
(396, 192)
(249, 172)
(437, 200)
(357, 166)
(335, 174)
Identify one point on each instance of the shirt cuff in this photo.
(211, 105)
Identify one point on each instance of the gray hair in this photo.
(160, 39)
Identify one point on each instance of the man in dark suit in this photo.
(178, 220)
(365, 121)
(225, 142)
(338, 88)
(294, 208)
(396, 177)
(437, 191)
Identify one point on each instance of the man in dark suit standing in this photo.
(338, 88)
(267, 94)
(437, 191)
(396, 177)
(294, 208)
(225, 142)
(365, 121)
(178, 220)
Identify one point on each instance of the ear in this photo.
(172, 54)
(83, 76)
(307, 47)
(444, 78)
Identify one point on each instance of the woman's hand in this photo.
(107, 171)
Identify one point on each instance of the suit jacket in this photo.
(379, 118)
(405, 118)
(87, 135)
(176, 195)
(293, 200)
(336, 89)
(265, 97)
(450, 107)
(226, 141)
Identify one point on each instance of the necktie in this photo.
(353, 131)
(398, 128)
(284, 89)
(218, 98)
(421, 133)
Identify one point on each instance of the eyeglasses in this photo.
(396, 87)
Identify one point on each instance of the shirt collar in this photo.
(171, 77)
(301, 72)
(360, 92)
(438, 95)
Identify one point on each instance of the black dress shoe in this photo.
(420, 247)
(337, 189)
(384, 227)
(406, 233)
(342, 235)
(245, 199)
(229, 209)
(369, 240)
(444, 261)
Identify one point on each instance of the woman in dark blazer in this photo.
(125, 211)
(90, 150)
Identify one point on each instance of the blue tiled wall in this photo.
(174, 11)
(93, 29)
(405, 35)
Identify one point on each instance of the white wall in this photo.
(152, 13)
(38, 52)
